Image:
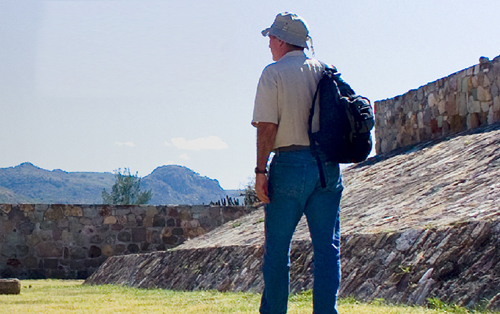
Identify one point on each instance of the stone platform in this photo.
(416, 224)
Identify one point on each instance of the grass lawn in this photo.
(70, 296)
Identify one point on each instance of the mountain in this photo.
(180, 185)
(171, 184)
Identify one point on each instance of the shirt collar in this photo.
(293, 53)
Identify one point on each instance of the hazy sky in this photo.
(101, 85)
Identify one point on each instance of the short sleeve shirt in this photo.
(284, 97)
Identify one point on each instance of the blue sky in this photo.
(102, 85)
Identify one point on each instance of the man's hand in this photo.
(261, 188)
(266, 135)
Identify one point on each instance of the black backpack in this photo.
(345, 122)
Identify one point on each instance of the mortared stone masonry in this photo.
(72, 241)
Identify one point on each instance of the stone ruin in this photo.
(462, 101)
(419, 220)
(418, 223)
(72, 241)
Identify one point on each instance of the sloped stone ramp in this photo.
(423, 223)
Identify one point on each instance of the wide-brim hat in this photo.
(290, 28)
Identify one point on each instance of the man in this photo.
(292, 187)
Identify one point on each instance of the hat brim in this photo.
(266, 31)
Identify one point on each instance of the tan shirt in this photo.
(284, 96)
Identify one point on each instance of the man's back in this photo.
(289, 84)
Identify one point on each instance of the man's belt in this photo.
(291, 148)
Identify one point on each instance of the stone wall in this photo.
(458, 264)
(462, 101)
(72, 241)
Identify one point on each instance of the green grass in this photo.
(70, 296)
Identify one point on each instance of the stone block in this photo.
(105, 211)
(124, 236)
(121, 219)
(109, 220)
(56, 234)
(477, 69)
(14, 238)
(483, 94)
(63, 223)
(173, 212)
(94, 251)
(47, 225)
(30, 262)
(27, 208)
(153, 236)
(496, 103)
(71, 210)
(50, 263)
(22, 250)
(494, 116)
(485, 106)
(94, 263)
(439, 122)
(55, 212)
(420, 118)
(172, 240)
(177, 231)
(158, 221)
(110, 239)
(464, 85)
(96, 239)
(122, 211)
(148, 221)
(74, 225)
(185, 214)
(139, 235)
(88, 230)
(14, 263)
(486, 82)
(5, 208)
(16, 215)
(133, 248)
(98, 221)
(116, 227)
(90, 211)
(473, 121)
(473, 106)
(120, 249)
(48, 249)
(6, 227)
(151, 211)
(33, 239)
(171, 222)
(107, 250)
(25, 227)
(86, 221)
(441, 105)
(10, 286)
(451, 106)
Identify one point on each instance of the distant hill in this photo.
(180, 185)
(170, 184)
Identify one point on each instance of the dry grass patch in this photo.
(70, 296)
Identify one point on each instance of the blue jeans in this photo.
(294, 190)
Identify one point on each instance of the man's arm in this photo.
(266, 136)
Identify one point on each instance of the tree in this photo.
(126, 190)
(250, 195)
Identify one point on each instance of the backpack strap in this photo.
(312, 142)
(313, 146)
